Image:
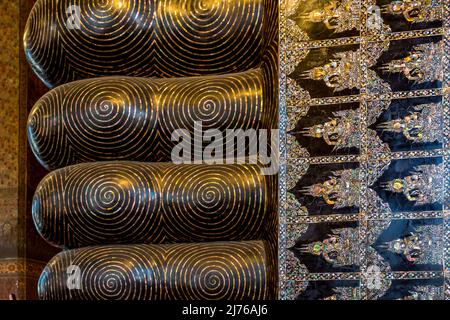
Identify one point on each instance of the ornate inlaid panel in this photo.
(136, 202)
(364, 116)
(67, 40)
(196, 271)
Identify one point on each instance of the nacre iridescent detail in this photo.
(195, 271)
(126, 74)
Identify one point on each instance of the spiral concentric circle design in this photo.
(67, 40)
(217, 270)
(125, 118)
(216, 202)
(132, 202)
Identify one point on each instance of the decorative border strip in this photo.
(395, 155)
(372, 97)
